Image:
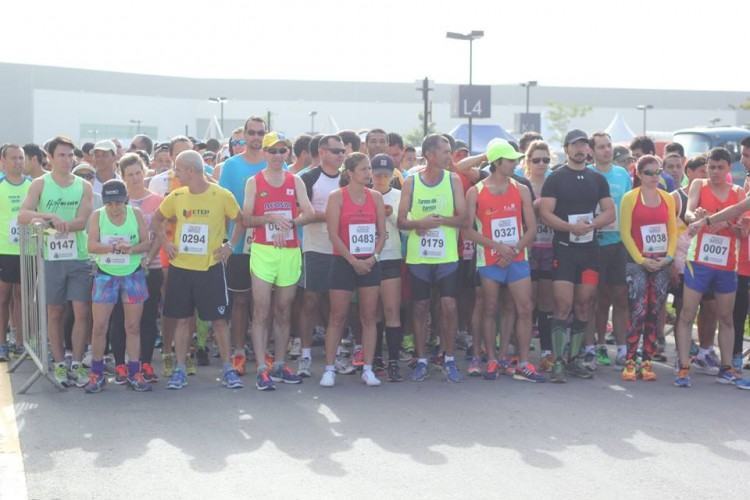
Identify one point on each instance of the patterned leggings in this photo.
(647, 293)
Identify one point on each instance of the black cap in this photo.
(575, 135)
(382, 161)
(461, 145)
(114, 191)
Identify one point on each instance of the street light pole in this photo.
(528, 85)
(220, 101)
(137, 125)
(471, 36)
(312, 122)
(644, 108)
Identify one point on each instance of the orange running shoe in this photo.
(647, 372)
(628, 373)
(238, 363)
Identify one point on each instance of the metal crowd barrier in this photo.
(33, 305)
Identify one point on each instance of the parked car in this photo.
(700, 140)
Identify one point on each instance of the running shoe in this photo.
(303, 367)
(706, 365)
(359, 356)
(231, 380)
(178, 380)
(602, 356)
(319, 336)
(94, 383)
(589, 361)
(79, 375)
(727, 375)
(451, 372)
(263, 381)
(545, 364)
(328, 379)
(148, 373)
(378, 366)
(579, 369)
(505, 368)
(420, 372)
(168, 364)
(394, 373)
(683, 378)
(528, 373)
(492, 371)
(202, 356)
(558, 373)
(285, 375)
(87, 358)
(121, 374)
(369, 378)
(620, 359)
(238, 363)
(4, 352)
(712, 358)
(61, 375)
(139, 383)
(190, 367)
(629, 373)
(269, 360)
(743, 383)
(475, 367)
(407, 345)
(647, 372)
(344, 366)
(295, 348)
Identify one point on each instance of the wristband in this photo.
(708, 220)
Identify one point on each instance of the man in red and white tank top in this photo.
(275, 202)
(711, 261)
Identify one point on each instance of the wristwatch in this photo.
(376, 256)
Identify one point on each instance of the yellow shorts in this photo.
(279, 266)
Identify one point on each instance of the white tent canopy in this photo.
(619, 130)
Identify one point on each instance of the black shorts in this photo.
(204, 291)
(390, 269)
(466, 271)
(10, 269)
(238, 273)
(425, 276)
(316, 270)
(577, 265)
(612, 260)
(343, 277)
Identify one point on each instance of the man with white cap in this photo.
(105, 161)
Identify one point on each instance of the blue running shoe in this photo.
(528, 373)
(285, 375)
(451, 372)
(231, 380)
(743, 383)
(737, 363)
(683, 378)
(178, 380)
(727, 375)
(95, 383)
(263, 382)
(138, 383)
(420, 372)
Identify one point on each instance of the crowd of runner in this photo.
(392, 257)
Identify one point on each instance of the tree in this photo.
(560, 115)
(416, 136)
(745, 105)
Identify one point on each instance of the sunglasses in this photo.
(336, 151)
(259, 133)
(537, 161)
(277, 151)
(652, 173)
(86, 176)
(238, 142)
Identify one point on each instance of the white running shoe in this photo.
(303, 367)
(369, 378)
(328, 379)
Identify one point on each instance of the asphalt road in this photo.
(479, 439)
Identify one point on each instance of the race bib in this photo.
(467, 250)
(504, 230)
(62, 246)
(13, 232)
(247, 241)
(432, 244)
(714, 249)
(584, 238)
(362, 239)
(116, 258)
(273, 229)
(194, 239)
(654, 237)
(544, 234)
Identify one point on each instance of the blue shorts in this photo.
(513, 272)
(131, 288)
(704, 279)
